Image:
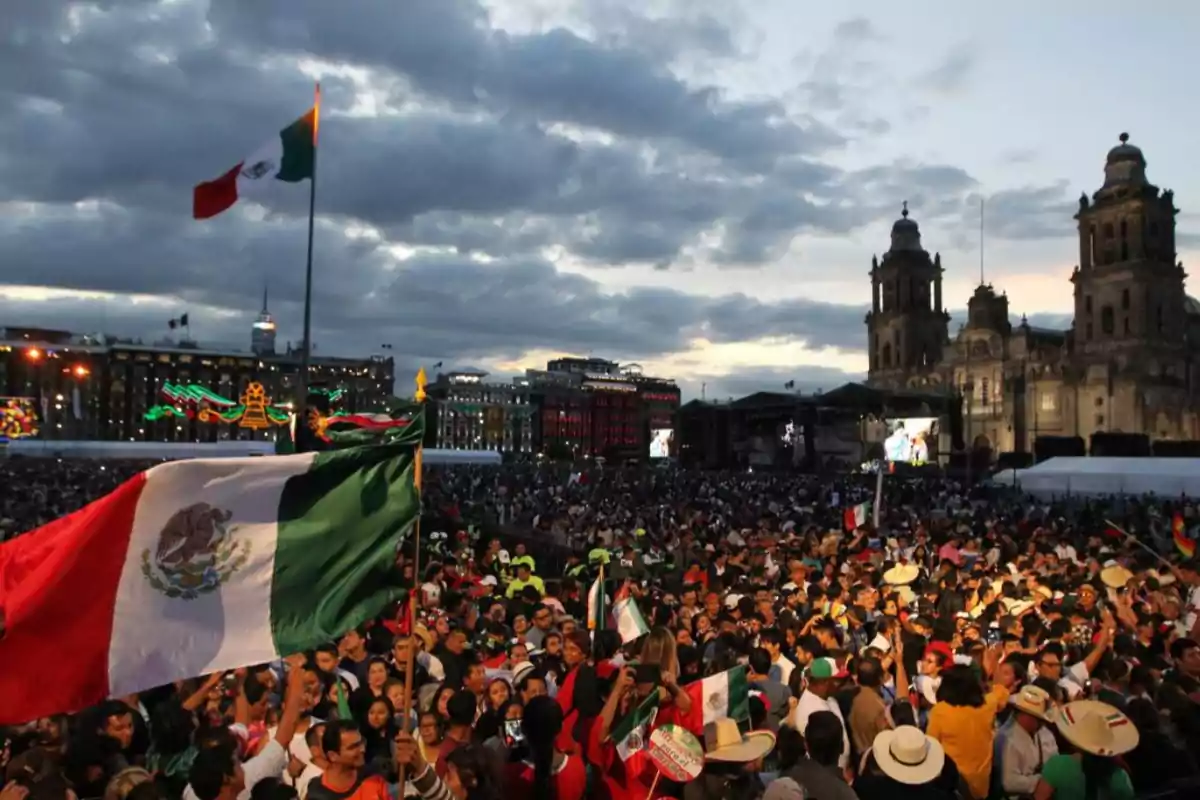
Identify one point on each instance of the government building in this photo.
(1129, 363)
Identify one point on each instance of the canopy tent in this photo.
(1098, 475)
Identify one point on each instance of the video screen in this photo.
(911, 440)
(18, 418)
(662, 443)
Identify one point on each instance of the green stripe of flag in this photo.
(299, 149)
(339, 526)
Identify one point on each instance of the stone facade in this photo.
(1130, 362)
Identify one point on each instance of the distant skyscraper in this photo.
(262, 335)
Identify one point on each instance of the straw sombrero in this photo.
(724, 742)
(1034, 701)
(901, 574)
(908, 755)
(1096, 728)
(1116, 576)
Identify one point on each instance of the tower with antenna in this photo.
(262, 332)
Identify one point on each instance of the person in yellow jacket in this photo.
(525, 577)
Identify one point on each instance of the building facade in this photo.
(590, 407)
(95, 387)
(471, 413)
(1129, 363)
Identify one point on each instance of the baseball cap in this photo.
(825, 668)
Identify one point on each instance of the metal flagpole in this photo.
(406, 702)
(308, 266)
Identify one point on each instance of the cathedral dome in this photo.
(905, 233)
(1125, 165)
(1126, 152)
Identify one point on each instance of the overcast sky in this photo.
(694, 185)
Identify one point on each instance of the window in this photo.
(1048, 401)
(1087, 303)
(1106, 320)
(886, 355)
(1159, 314)
(1126, 321)
(984, 397)
(1124, 299)
(1088, 335)
(1108, 230)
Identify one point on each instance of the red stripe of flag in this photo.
(212, 197)
(58, 586)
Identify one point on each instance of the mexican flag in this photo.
(630, 622)
(632, 733)
(290, 156)
(596, 612)
(726, 694)
(857, 516)
(198, 566)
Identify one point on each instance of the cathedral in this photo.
(1130, 362)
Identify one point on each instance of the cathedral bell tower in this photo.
(907, 324)
(1128, 286)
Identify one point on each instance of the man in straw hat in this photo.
(732, 761)
(1024, 742)
(1098, 733)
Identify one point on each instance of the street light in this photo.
(81, 371)
(33, 354)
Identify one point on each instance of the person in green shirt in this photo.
(1091, 737)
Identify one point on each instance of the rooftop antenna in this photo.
(981, 281)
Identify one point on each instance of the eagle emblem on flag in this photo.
(257, 170)
(195, 553)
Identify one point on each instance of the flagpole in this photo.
(406, 702)
(308, 266)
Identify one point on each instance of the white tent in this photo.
(1091, 476)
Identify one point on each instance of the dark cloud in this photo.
(809, 380)
(953, 72)
(855, 29)
(447, 305)
(490, 150)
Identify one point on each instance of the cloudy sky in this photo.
(694, 185)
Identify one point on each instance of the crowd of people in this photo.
(969, 644)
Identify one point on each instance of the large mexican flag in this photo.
(198, 566)
(289, 156)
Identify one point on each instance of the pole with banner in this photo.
(406, 703)
(306, 356)
(878, 496)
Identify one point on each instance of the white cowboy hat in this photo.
(901, 574)
(1016, 607)
(1116, 576)
(907, 595)
(1163, 579)
(1034, 701)
(724, 742)
(1096, 728)
(909, 756)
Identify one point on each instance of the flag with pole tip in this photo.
(288, 157)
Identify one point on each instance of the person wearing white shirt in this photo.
(818, 696)
(314, 768)
(772, 641)
(1023, 744)
(272, 760)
